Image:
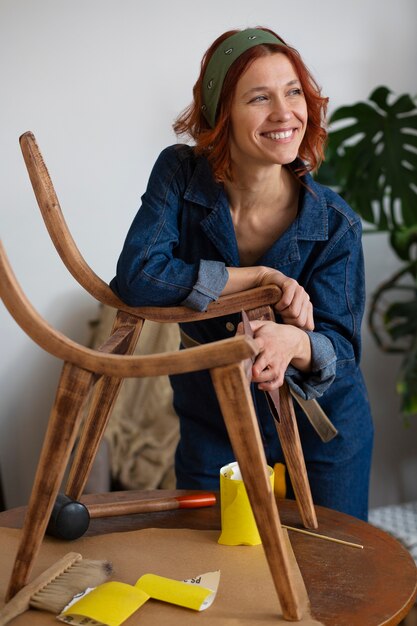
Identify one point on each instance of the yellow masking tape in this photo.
(173, 591)
(238, 523)
(110, 604)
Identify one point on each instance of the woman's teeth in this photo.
(284, 135)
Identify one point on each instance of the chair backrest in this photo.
(74, 261)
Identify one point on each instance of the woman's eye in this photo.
(295, 92)
(258, 99)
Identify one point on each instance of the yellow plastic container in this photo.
(238, 523)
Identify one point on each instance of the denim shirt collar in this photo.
(311, 223)
(218, 225)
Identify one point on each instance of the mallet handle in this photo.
(131, 507)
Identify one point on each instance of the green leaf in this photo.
(380, 96)
(370, 159)
(404, 104)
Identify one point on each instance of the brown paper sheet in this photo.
(246, 595)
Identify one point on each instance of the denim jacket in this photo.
(177, 250)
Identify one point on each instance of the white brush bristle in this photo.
(60, 591)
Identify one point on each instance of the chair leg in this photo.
(104, 396)
(291, 446)
(287, 427)
(59, 440)
(102, 402)
(239, 415)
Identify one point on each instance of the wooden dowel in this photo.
(326, 537)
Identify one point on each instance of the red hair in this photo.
(214, 142)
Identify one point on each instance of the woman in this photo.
(239, 210)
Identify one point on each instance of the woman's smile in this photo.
(276, 135)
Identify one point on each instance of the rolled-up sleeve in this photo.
(323, 369)
(212, 279)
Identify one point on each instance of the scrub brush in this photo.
(55, 588)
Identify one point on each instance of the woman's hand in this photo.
(294, 306)
(279, 345)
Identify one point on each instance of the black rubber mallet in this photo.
(70, 519)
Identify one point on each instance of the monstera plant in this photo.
(371, 159)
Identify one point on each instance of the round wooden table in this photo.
(346, 586)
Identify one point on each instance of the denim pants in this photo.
(338, 471)
(342, 486)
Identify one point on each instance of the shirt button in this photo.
(230, 326)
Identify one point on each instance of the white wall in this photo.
(99, 83)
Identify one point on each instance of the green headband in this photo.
(223, 57)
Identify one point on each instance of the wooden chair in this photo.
(104, 369)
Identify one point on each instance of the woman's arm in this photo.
(152, 270)
(280, 344)
(308, 359)
(336, 285)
